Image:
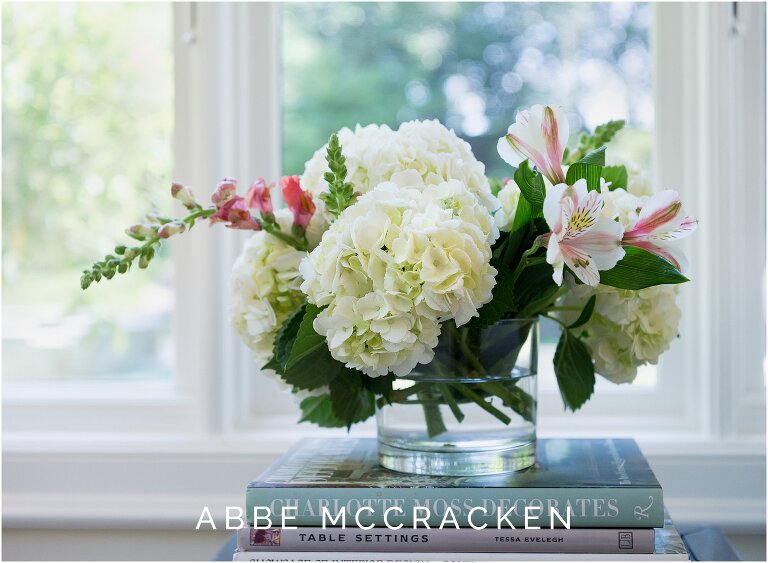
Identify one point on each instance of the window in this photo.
(87, 123)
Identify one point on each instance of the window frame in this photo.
(221, 411)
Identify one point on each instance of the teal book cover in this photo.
(593, 482)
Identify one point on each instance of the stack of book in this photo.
(584, 499)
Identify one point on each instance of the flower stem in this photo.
(433, 416)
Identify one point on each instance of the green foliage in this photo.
(531, 184)
(341, 194)
(318, 410)
(602, 136)
(574, 370)
(350, 400)
(586, 313)
(87, 128)
(302, 359)
(535, 289)
(640, 269)
(285, 338)
(348, 63)
(503, 300)
(121, 263)
(616, 175)
(595, 157)
(146, 252)
(589, 168)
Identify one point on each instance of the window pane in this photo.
(470, 65)
(87, 121)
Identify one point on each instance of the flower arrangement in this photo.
(392, 239)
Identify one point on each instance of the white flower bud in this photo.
(184, 195)
(170, 229)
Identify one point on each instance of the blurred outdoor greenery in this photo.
(87, 120)
(470, 65)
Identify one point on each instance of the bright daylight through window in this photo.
(87, 122)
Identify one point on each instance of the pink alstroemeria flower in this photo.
(580, 238)
(298, 201)
(538, 134)
(259, 197)
(660, 222)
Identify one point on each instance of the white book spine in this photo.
(447, 540)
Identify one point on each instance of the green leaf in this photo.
(350, 400)
(313, 371)
(616, 175)
(310, 364)
(574, 371)
(590, 172)
(602, 135)
(535, 289)
(640, 269)
(307, 341)
(590, 167)
(273, 364)
(596, 156)
(381, 385)
(286, 336)
(503, 300)
(523, 215)
(531, 185)
(520, 234)
(586, 313)
(318, 410)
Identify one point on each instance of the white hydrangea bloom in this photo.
(371, 154)
(621, 205)
(404, 258)
(638, 182)
(439, 155)
(628, 328)
(375, 153)
(265, 288)
(509, 197)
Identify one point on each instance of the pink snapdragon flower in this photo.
(225, 191)
(538, 134)
(236, 213)
(232, 208)
(170, 229)
(184, 195)
(660, 222)
(259, 197)
(580, 238)
(298, 201)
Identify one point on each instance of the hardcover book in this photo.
(668, 547)
(463, 540)
(581, 483)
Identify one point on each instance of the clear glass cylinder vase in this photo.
(472, 410)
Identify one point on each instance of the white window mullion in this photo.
(230, 128)
(710, 145)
